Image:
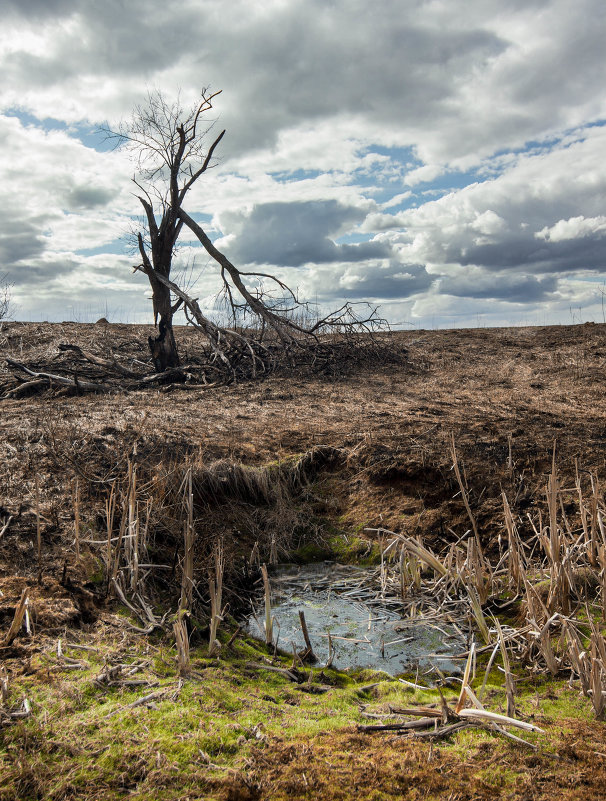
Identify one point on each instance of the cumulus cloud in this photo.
(493, 223)
(336, 115)
(574, 228)
(293, 234)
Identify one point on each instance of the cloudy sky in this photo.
(444, 158)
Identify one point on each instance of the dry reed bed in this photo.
(551, 585)
(548, 576)
(550, 581)
(183, 532)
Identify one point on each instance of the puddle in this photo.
(367, 629)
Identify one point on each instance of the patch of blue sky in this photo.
(90, 136)
(288, 176)
(200, 217)
(408, 197)
(116, 248)
(353, 239)
(388, 179)
(599, 123)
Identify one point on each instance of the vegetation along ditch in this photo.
(451, 583)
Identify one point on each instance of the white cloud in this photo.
(492, 223)
(573, 228)
(335, 114)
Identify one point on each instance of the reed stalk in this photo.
(552, 505)
(425, 555)
(182, 643)
(133, 528)
(515, 554)
(110, 511)
(269, 632)
(38, 530)
(309, 651)
(187, 578)
(216, 596)
(121, 532)
(478, 614)
(578, 657)
(76, 496)
(20, 611)
(602, 562)
(465, 682)
(597, 693)
(455, 466)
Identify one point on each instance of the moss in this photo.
(311, 552)
(353, 549)
(84, 738)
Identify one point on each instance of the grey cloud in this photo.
(19, 241)
(587, 253)
(304, 60)
(293, 234)
(33, 272)
(432, 70)
(88, 197)
(396, 282)
(514, 288)
(432, 75)
(39, 9)
(370, 281)
(318, 60)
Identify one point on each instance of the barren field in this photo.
(367, 449)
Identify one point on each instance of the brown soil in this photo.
(527, 386)
(537, 385)
(350, 765)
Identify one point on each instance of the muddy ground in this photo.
(507, 395)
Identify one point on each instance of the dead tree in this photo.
(169, 143)
(266, 321)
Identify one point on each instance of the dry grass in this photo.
(276, 463)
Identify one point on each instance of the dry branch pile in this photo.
(331, 348)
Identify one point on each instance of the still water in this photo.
(366, 624)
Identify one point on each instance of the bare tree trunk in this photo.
(163, 347)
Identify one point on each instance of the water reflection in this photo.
(365, 624)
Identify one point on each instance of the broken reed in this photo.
(182, 643)
(20, 612)
(269, 630)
